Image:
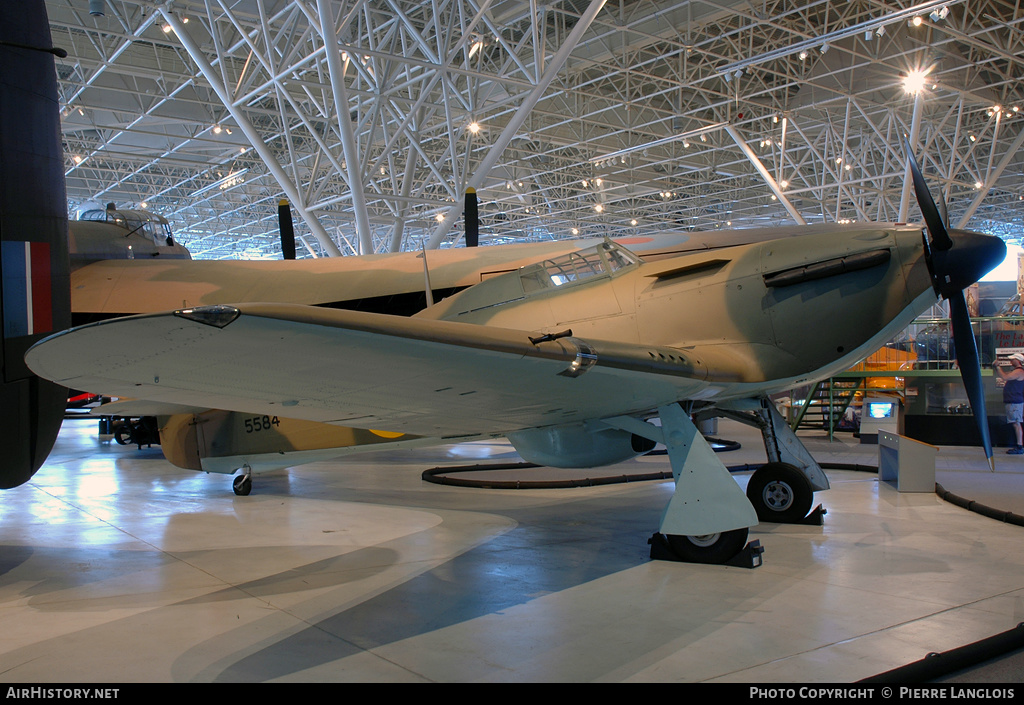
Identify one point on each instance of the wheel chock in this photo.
(815, 518)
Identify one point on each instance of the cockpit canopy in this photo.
(576, 269)
(150, 225)
(606, 258)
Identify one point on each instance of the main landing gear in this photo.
(708, 518)
(782, 490)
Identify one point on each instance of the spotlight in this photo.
(914, 81)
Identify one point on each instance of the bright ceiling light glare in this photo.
(633, 221)
(599, 208)
(803, 55)
(575, 231)
(77, 159)
(439, 217)
(474, 127)
(916, 22)
(216, 129)
(913, 83)
(166, 28)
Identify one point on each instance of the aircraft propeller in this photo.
(956, 259)
(287, 229)
(472, 219)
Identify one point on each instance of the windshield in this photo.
(150, 225)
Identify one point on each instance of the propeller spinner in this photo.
(956, 259)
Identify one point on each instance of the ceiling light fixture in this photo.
(914, 81)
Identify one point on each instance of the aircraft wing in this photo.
(429, 378)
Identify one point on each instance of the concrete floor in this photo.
(116, 567)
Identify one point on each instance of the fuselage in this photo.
(759, 317)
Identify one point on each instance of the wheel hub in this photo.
(704, 540)
(778, 495)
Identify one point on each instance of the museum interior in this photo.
(487, 341)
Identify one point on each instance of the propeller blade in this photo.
(472, 219)
(932, 217)
(286, 228)
(970, 367)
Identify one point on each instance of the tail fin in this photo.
(34, 275)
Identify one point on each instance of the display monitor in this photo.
(881, 409)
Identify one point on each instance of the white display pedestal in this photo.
(910, 463)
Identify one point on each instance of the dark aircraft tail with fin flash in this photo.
(34, 277)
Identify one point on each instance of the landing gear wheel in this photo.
(711, 548)
(780, 493)
(242, 484)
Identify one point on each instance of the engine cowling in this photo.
(578, 447)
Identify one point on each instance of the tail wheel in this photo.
(710, 548)
(780, 493)
(242, 485)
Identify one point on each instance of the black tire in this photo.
(712, 548)
(242, 485)
(780, 493)
(123, 435)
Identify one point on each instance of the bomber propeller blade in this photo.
(286, 228)
(472, 219)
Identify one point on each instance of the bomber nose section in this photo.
(972, 256)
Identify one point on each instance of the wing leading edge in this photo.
(431, 378)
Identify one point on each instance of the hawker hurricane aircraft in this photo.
(572, 357)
